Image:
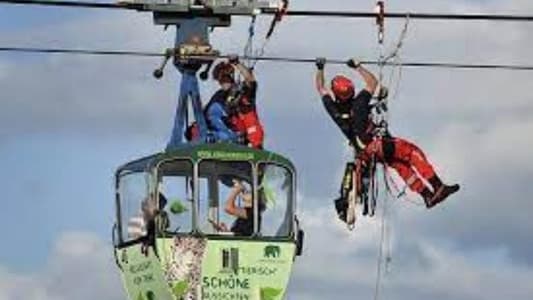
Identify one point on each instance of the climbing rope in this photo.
(249, 47)
(381, 119)
(380, 107)
(381, 250)
(396, 62)
(387, 225)
(395, 52)
(278, 17)
(385, 246)
(400, 193)
(282, 11)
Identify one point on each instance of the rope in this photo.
(382, 118)
(277, 18)
(387, 230)
(399, 67)
(395, 52)
(380, 110)
(396, 61)
(282, 11)
(400, 193)
(382, 104)
(384, 241)
(249, 47)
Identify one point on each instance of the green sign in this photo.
(196, 268)
(141, 273)
(244, 270)
(272, 251)
(225, 155)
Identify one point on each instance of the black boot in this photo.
(427, 195)
(435, 182)
(442, 193)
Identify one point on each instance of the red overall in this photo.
(249, 125)
(404, 157)
(245, 119)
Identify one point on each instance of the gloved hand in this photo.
(353, 63)
(320, 63)
(233, 59)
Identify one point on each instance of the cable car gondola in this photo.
(170, 237)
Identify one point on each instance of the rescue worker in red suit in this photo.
(231, 113)
(352, 113)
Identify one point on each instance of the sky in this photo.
(67, 122)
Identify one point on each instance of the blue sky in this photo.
(67, 122)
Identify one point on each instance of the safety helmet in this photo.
(342, 87)
(223, 72)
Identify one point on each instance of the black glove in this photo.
(233, 59)
(320, 63)
(353, 63)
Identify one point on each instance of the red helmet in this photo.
(342, 88)
(223, 72)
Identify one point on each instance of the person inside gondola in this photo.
(244, 222)
(155, 219)
(353, 114)
(231, 113)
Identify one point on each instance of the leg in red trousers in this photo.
(411, 179)
(403, 156)
(409, 154)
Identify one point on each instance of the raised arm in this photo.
(369, 78)
(245, 72)
(319, 78)
(230, 207)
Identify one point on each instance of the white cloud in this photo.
(335, 261)
(344, 264)
(475, 126)
(79, 267)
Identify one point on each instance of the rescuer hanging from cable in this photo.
(352, 113)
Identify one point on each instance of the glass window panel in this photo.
(216, 186)
(133, 191)
(175, 194)
(275, 192)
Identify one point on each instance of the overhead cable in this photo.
(267, 58)
(295, 13)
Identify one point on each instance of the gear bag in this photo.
(347, 186)
(341, 203)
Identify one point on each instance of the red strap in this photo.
(278, 17)
(283, 11)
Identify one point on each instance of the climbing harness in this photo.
(363, 188)
(380, 112)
